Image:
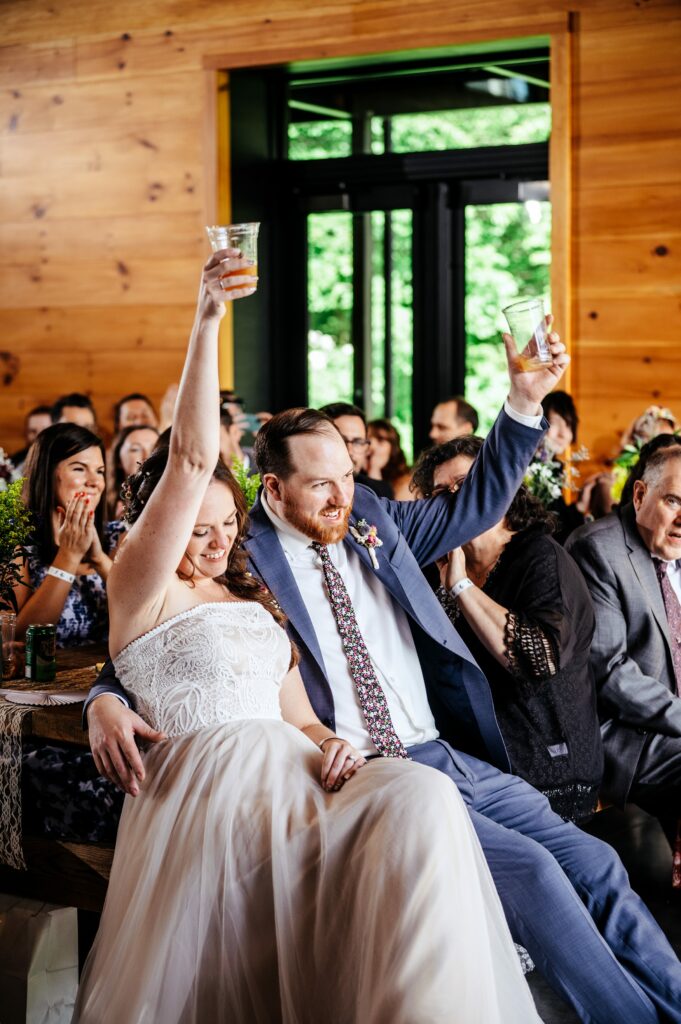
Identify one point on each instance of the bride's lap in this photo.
(266, 754)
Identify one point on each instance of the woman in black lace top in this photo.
(522, 606)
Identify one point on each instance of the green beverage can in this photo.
(41, 658)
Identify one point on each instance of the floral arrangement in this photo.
(367, 536)
(15, 527)
(546, 478)
(249, 485)
(622, 467)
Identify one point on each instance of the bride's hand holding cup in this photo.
(227, 276)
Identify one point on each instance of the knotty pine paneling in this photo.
(107, 175)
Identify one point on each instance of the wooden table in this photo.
(71, 874)
(76, 670)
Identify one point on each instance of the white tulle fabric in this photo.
(242, 892)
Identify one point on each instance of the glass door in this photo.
(360, 313)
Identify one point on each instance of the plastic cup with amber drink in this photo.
(527, 323)
(236, 236)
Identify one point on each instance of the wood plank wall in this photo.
(107, 176)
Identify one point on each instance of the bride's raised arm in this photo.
(147, 561)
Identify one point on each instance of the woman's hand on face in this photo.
(227, 276)
(95, 553)
(75, 527)
(452, 568)
(340, 762)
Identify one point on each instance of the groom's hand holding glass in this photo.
(529, 387)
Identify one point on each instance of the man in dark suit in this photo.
(559, 886)
(631, 562)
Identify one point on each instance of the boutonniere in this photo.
(368, 537)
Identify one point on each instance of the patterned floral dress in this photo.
(63, 796)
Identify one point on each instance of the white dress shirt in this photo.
(384, 626)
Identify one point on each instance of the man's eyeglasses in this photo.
(355, 442)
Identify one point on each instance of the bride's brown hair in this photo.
(139, 487)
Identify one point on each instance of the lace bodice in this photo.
(212, 664)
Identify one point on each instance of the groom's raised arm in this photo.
(434, 527)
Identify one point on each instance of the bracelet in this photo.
(61, 574)
(459, 587)
(325, 740)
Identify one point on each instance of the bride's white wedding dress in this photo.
(242, 892)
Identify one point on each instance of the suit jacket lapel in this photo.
(269, 560)
(643, 566)
(387, 575)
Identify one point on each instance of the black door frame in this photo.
(436, 187)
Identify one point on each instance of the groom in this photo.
(439, 706)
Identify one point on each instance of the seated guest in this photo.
(521, 606)
(630, 562)
(36, 420)
(231, 434)
(637, 470)
(351, 423)
(654, 420)
(66, 566)
(63, 581)
(134, 409)
(131, 447)
(561, 414)
(75, 408)
(386, 461)
(454, 417)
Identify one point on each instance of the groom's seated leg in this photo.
(543, 910)
(595, 872)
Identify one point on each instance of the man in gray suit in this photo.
(632, 564)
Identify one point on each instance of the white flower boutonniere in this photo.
(368, 537)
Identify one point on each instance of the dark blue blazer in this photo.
(414, 534)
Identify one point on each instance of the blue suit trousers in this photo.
(567, 898)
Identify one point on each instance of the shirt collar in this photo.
(669, 566)
(292, 541)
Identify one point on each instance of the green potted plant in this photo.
(15, 527)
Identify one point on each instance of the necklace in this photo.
(482, 576)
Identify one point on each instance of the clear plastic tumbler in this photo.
(527, 323)
(236, 236)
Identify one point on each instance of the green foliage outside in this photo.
(249, 484)
(507, 256)
(419, 133)
(15, 527)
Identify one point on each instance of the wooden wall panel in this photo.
(108, 170)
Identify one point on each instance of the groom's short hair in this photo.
(271, 448)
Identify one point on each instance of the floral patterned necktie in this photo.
(673, 610)
(371, 696)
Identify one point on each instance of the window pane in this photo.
(508, 256)
(465, 129)
(319, 140)
(329, 297)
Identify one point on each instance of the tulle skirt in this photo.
(242, 892)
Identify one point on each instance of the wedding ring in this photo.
(353, 759)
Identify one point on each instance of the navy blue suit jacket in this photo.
(414, 534)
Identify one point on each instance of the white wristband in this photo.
(459, 587)
(61, 574)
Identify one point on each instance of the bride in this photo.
(257, 877)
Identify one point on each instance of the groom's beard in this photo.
(316, 527)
